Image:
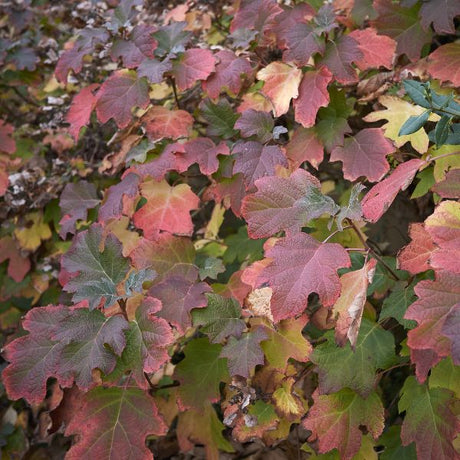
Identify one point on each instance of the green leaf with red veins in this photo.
(161, 122)
(436, 299)
(195, 64)
(381, 196)
(200, 374)
(444, 228)
(119, 94)
(342, 367)
(335, 419)
(229, 69)
(75, 201)
(339, 56)
(284, 341)
(171, 38)
(95, 272)
(34, 357)
(245, 353)
(255, 123)
(167, 255)
(441, 14)
(301, 266)
(377, 50)
(255, 160)
(179, 295)
(90, 341)
(364, 155)
(146, 344)
(416, 255)
(167, 209)
(403, 25)
(220, 319)
(444, 63)
(285, 204)
(80, 110)
(114, 423)
(429, 420)
(313, 94)
(305, 145)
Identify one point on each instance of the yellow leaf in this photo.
(281, 85)
(444, 164)
(397, 113)
(288, 404)
(33, 233)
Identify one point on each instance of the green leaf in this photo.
(210, 267)
(394, 450)
(425, 182)
(220, 319)
(97, 272)
(429, 421)
(220, 118)
(200, 374)
(418, 92)
(396, 304)
(446, 375)
(241, 248)
(341, 367)
(441, 132)
(414, 123)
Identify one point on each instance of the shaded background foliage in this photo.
(190, 229)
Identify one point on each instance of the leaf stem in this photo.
(374, 254)
(430, 159)
(174, 88)
(122, 304)
(335, 233)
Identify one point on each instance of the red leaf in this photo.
(441, 14)
(18, 265)
(33, 357)
(112, 207)
(119, 94)
(158, 167)
(364, 155)
(140, 45)
(380, 196)
(444, 227)
(304, 146)
(73, 58)
(450, 186)
(154, 69)
(339, 56)
(444, 63)
(377, 50)
(302, 42)
(335, 420)
(255, 123)
(161, 122)
(301, 265)
(114, 423)
(75, 201)
(285, 204)
(313, 94)
(436, 299)
(203, 151)
(179, 295)
(195, 64)
(167, 209)
(228, 73)
(451, 330)
(80, 110)
(403, 25)
(255, 160)
(7, 143)
(229, 191)
(415, 256)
